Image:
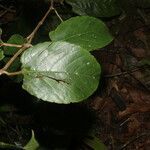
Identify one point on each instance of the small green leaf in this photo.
(14, 39)
(87, 32)
(95, 143)
(60, 72)
(96, 8)
(15, 66)
(9, 51)
(1, 55)
(32, 144)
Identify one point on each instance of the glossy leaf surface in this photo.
(60, 72)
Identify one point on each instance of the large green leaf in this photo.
(60, 72)
(87, 32)
(96, 8)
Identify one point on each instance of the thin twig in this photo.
(13, 58)
(12, 73)
(29, 40)
(8, 9)
(129, 73)
(5, 11)
(58, 15)
(10, 45)
(31, 36)
(122, 73)
(133, 140)
(140, 82)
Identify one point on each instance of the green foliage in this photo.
(96, 8)
(10, 51)
(32, 144)
(87, 32)
(14, 67)
(60, 72)
(63, 71)
(14, 39)
(106, 8)
(95, 143)
(1, 55)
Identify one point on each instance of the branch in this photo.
(26, 45)
(57, 14)
(8, 9)
(133, 140)
(122, 73)
(15, 56)
(10, 73)
(31, 36)
(10, 45)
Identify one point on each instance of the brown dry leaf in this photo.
(137, 95)
(139, 34)
(138, 74)
(97, 103)
(133, 125)
(8, 17)
(135, 108)
(138, 52)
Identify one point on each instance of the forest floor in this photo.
(120, 107)
(124, 106)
